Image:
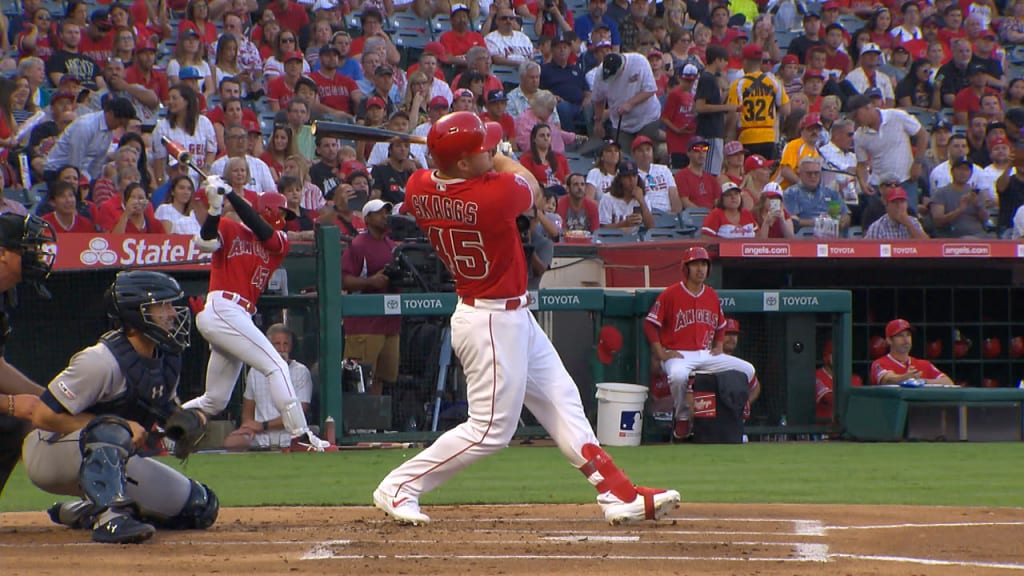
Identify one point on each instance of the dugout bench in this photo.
(893, 413)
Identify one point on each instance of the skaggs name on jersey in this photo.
(436, 207)
(685, 318)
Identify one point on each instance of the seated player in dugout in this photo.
(899, 366)
(823, 397)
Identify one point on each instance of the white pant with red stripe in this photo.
(234, 341)
(678, 371)
(508, 362)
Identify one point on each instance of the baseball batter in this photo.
(97, 411)
(22, 259)
(686, 327)
(468, 207)
(246, 252)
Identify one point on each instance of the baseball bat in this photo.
(365, 133)
(180, 153)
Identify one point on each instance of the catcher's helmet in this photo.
(128, 301)
(459, 135)
(270, 206)
(28, 234)
(694, 254)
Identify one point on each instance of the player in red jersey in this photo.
(898, 365)
(686, 328)
(246, 251)
(823, 396)
(468, 207)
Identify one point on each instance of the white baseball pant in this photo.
(678, 371)
(508, 361)
(234, 341)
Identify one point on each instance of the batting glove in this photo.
(215, 188)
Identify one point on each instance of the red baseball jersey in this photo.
(472, 226)
(889, 364)
(243, 264)
(822, 394)
(336, 91)
(278, 91)
(687, 321)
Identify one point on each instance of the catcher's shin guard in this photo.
(605, 475)
(106, 444)
(293, 419)
(198, 513)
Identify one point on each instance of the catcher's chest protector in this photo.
(718, 403)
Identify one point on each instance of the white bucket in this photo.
(620, 413)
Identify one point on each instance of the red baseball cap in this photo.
(439, 102)
(63, 95)
(608, 344)
(350, 167)
(830, 5)
(755, 161)
(812, 119)
(640, 141)
(375, 101)
(790, 59)
(437, 49)
(986, 33)
(732, 325)
(143, 44)
(252, 126)
(896, 193)
(999, 141)
(814, 73)
(296, 55)
(896, 326)
(752, 52)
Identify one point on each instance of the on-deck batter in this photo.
(245, 255)
(468, 208)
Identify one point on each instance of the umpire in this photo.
(22, 260)
(98, 411)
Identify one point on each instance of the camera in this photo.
(415, 267)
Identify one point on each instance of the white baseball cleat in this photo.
(311, 444)
(405, 510)
(649, 504)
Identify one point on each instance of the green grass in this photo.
(917, 474)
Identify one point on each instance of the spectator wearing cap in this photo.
(191, 77)
(143, 72)
(898, 365)
(508, 46)
(438, 107)
(1002, 163)
(70, 60)
(624, 206)
(282, 88)
(285, 47)
(338, 94)
(953, 76)
(968, 99)
(549, 167)
(678, 116)
(97, 37)
(735, 48)
(811, 37)
(814, 84)
(837, 61)
(598, 46)
(577, 212)
(190, 52)
(896, 223)
(773, 220)
(697, 188)
(372, 340)
(597, 15)
(958, 210)
(866, 75)
(461, 37)
(762, 101)
(495, 106)
(888, 141)
(236, 137)
(85, 142)
(787, 75)
(988, 54)
(942, 174)
(566, 81)
(732, 168)
(757, 172)
(803, 147)
(661, 192)
(624, 99)
(519, 98)
(808, 199)
(729, 219)
(383, 90)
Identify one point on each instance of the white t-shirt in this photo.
(516, 46)
(272, 68)
(204, 140)
(859, 80)
(260, 178)
(942, 176)
(985, 180)
(257, 389)
(657, 184)
(379, 153)
(600, 181)
(612, 210)
(174, 68)
(181, 223)
(635, 77)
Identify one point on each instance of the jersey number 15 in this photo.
(461, 250)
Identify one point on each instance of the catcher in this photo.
(98, 411)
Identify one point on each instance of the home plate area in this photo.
(550, 539)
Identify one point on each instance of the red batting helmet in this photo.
(459, 135)
(271, 205)
(693, 254)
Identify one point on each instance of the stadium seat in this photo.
(693, 217)
(805, 232)
(665, 220)
(508, 75)
(614, 236)
(19, 195)
(784, 37)
(855, 232)
(655, 234)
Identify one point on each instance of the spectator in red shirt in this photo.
(460, 38)
(697, 188)
(969, 99)
(898, 365)
(197, 16)
(549, 167)
(282, 89)
(130, 213)
(578, 212)
(678, 117)
(291, 15)
(373, 26)
(228, 89)
(773, 220)
(495, 106)
(65, 218)
(98, 37)
(953, 18)
(338, 94)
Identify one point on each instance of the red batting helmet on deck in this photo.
(693, 254)
(459, 135)
(270, 206)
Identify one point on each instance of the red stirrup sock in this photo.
(605, 475)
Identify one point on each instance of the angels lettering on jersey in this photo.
(243, 247)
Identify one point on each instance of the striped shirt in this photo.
(886, 228)
(257, 389)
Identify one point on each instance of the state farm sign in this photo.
(84, 251)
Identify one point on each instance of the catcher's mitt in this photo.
(186, 427)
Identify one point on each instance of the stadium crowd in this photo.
(739, 119)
